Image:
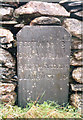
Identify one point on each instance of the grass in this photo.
(46, 110)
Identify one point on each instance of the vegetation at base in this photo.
(34, 110)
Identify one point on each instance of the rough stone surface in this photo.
(8, 22)
(78, 55)
(43, 62)
(41, 8)
(77, 44)
(63, 1)
(78, 15)
(6, 59)
(75, 62)
(77, 74)
(77, 100)
(19, 25)
(7, 66)
(9, 98)
(6, 88)
(6, 36)
(6, 13)
(77, 87)
(72, 6)
(74, 27)
(45, 21)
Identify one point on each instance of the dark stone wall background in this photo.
(14, 15)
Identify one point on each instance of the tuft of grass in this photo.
(48, 109)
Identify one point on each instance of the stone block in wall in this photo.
(37, 8)
(72, 5)
(77, 74)
(76, 87)
(6, 13)
(45, 21)
(76, 44)
(19, 25)
(78, 55)
(8, 98)
(74, 26)
(77, 100)
(6, 88)
(5, 36)
(74, 62)
(7, 66)
(78, 15)
(8, 22)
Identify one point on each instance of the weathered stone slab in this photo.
(43, 64)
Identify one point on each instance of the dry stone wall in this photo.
(14, 15)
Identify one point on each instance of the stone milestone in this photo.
(43, 64)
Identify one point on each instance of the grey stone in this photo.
(8, 22)
(41, 8)
(45, 21)
(78, 15)
(9, 98)
(72, 5)
(77, 44)
(17, 1)
(78, 55)
(75, 62)
(7, 66)
(6, 13)
(19, 25)
(43, 63)
(6, 88)
(77, 74)
(77, 87)
(74, 27)
(6, 36)
(63, 1)
(77, 100)
(6, 59)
